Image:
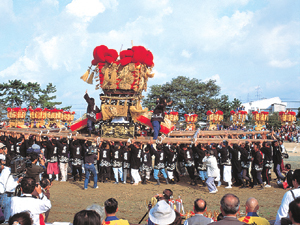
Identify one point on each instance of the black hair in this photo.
(220, 217)
(178, 219)
(162, 100)
(87, 217)
(296, 176)
(45, 182)
(33, 156)
(167, 193)
(197, 208)
(104, 144)
(28, 185)
(23, 218)
(111, 205)
(230, 208)
(117, 145)
(294, 208)
(288, 166)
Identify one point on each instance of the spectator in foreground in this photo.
(294, 211)
(111, 208)
(230, 206)
(22, 218)
(89, 217)
(162, 213)
(27, 202)
(199, 209)
(288, 197)
(98, 209)
(251, 213)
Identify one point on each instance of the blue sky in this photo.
(242, 44)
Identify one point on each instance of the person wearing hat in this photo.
(212, 171)
(162, 214)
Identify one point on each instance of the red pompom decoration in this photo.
(125, 61)
(208, 113)
(126, 53)
(99, 52)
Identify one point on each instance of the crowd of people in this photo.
(244, 164)
(289, 133)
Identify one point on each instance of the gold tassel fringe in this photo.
(85, 76)
(90, 80)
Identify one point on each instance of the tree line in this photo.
(16, 93)
(192, 95)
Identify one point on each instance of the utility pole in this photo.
(258, 92)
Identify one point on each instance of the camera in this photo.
(285, 155)
(19, 165)
(52, 178)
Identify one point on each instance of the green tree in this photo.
(30, 92)
(236, 103)
(45, 100)
(15, 93)
(225, 106)
(188, 95)
(11, 93)
(274, 121)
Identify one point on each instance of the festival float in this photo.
(122, 77)
(238, 118)
(260, 119)
(190, 120)
(214, 118)
(287, 118)
(16, 117)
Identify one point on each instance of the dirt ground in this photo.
(69, 197)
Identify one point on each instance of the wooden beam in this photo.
(213, 133)
(145, 140)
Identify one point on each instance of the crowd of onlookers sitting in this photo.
(162, 213)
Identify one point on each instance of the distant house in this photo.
(270, 105)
